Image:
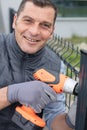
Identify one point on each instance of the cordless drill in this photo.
(25, 117)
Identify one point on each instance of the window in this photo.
(71, 8)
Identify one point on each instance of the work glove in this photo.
(35, 94)
(71, 115)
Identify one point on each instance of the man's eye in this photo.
(28, 20)
(45, 25)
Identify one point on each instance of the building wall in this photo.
(2, 29)
(5, 5)
(66, 27)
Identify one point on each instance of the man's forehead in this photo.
(36, 12)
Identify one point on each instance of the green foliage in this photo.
(77, 39)
(72, 11)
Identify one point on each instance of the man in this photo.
(21, 54)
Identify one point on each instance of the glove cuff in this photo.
(11, 93)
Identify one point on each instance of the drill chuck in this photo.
(71, 86)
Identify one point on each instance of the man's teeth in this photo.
(29, 39)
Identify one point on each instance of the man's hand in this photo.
(34, 93)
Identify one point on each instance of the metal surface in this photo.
(81, 116)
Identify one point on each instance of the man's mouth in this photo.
(31, 40)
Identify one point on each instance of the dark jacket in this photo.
(17, 67)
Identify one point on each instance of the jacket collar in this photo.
(20, 54)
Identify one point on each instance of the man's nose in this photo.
(34, 30)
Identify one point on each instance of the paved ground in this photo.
(45, 128)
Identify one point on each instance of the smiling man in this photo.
(33, 27)
(21, 54)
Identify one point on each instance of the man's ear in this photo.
(14, 21)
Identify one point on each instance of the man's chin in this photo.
(31, 51)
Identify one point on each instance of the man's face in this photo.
(33, 27)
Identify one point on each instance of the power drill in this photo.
(25, 117)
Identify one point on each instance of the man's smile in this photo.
(31, 40)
